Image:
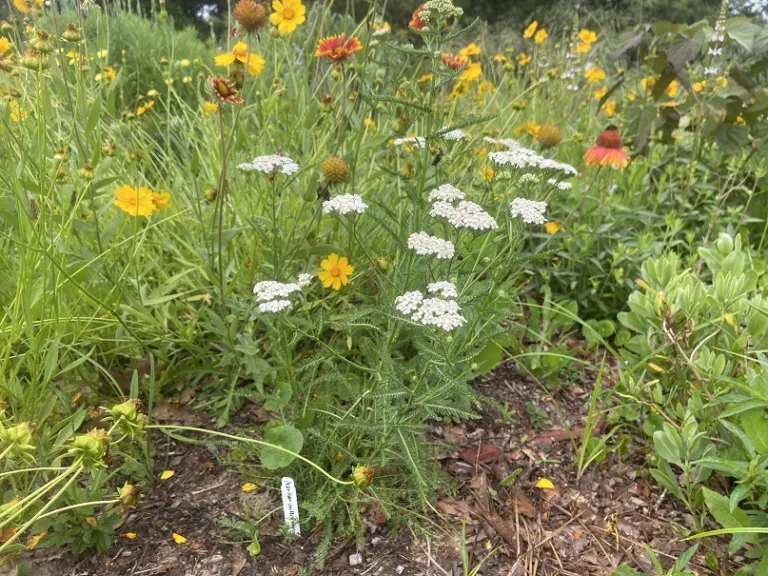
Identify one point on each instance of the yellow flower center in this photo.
(335, 272)
(288, 13)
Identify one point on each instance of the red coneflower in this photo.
(416, 23)
(224, 90)
(338, 48)
(453, 62)
(606, 151)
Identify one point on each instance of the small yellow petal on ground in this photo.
(545, 484)
(167, 474)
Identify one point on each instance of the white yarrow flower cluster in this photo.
(443, 313)
(465, 214)
(270, 165)
(272, 290)
(426, 245)
(560, 185)
(344, 204)
(531, 211)
(456, 135)
(305, 279)
(525, 158)
(446, 193)
(274, 306)
(415, 141)
(508, 143)
(272, 296)
(444, 289)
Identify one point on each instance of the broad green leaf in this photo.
(286, 439)
(755, 426)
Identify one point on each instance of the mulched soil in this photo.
(583, 526)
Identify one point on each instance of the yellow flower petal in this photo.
(166, 474)
(248, 487)
(545, 484)
(178, 538)
(129, 535)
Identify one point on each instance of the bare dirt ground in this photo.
(582, 526)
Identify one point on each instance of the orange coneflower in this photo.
(224, 90)
(606, 151)
(416, 22)
(338, 48)
(453, 62)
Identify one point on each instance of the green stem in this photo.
(172, 427)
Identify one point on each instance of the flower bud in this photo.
(5, 27)
(19, 436)
(130, 421)
(42, 42)
(128, 495)
(34, 61)
(274, 32)
(362, 476)
(72, 34)
(86, 172)
(91, 447)
(210, 194)
(548, 136)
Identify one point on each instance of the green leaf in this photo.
(254, 548)
(640, 119)
(93, 117)
(755, 426)
(285, 439)
(742, 31)
(281, 396)
(719, 506)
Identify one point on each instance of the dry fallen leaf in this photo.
(480, 454)
(91, 521)
(522, 503)
(180, 414)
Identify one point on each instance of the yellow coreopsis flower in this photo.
(523, 59)
(671, 90)
(136, 202)
(18, 114)
(587, 36)
(287, 15)
(594, 74)
(336, 271)
(531, 30)
(600, 93)
(144, 107)
(210, 108)
(646, 82)
(553, 227)
(609, 108)
(582, 47)
(161, 200)
(500, 58)
(471, 49)
(27, 5)
(540, 36)
(530, 126)
(369, 124)
(459, 89)
(488, 174)
(424, 78)
(471, 72)
(721, 82)
(255, 63)
(4, 45)
(106, 75)
(698, 86)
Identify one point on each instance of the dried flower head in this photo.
(335, 169)
(224, 90)
(250, 15)
(548, 136)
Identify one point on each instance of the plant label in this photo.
(290, 506)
